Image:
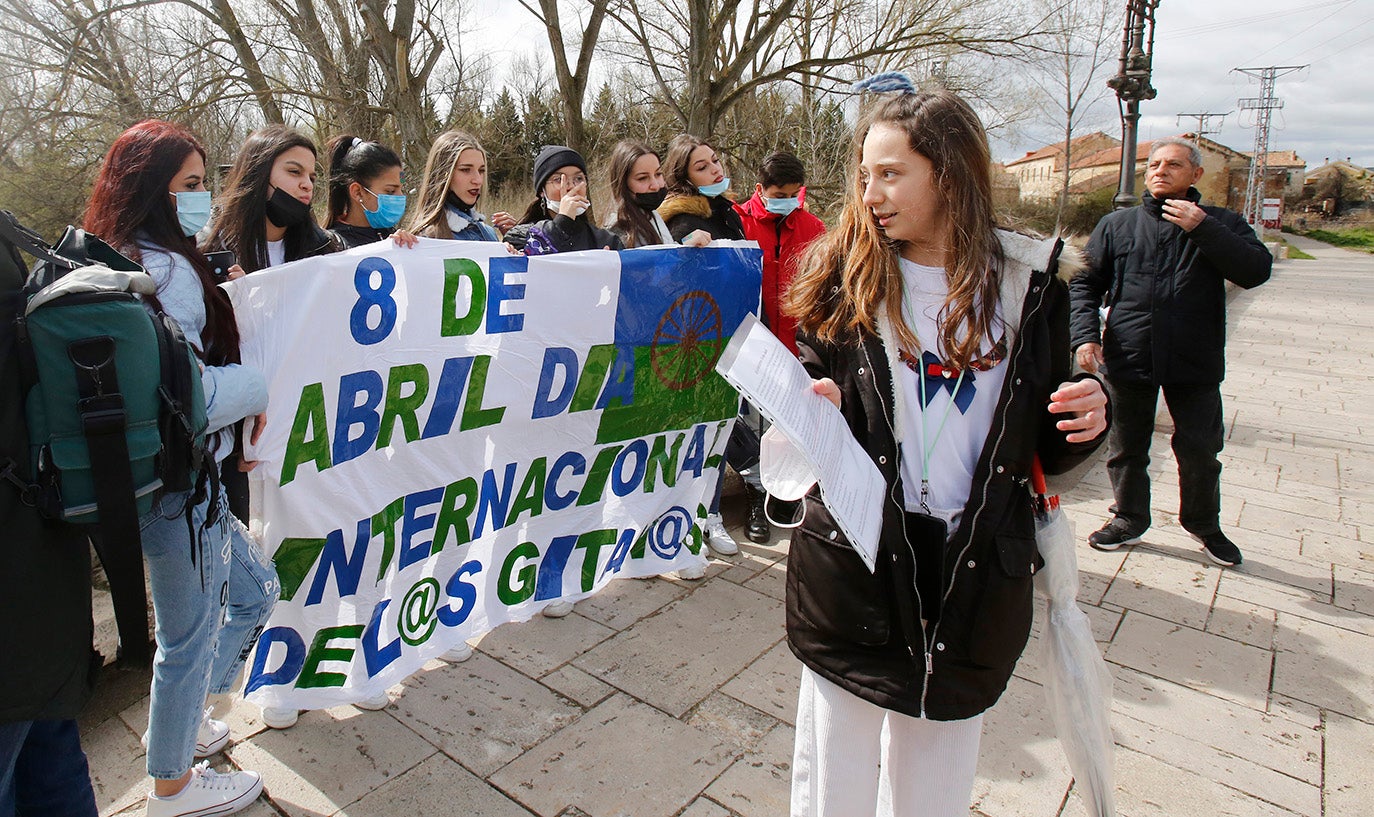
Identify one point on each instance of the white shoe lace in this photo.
(204, 777)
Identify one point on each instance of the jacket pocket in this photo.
(829, 587)
(1002, 622)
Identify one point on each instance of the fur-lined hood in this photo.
(690, 204)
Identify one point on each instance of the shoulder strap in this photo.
(29, 241)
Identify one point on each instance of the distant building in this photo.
(1040, 173)
(1226, 171)
(1338, 186)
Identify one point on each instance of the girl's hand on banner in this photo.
(235, 272)
(405, 238)
(697, 238)
(503, 221)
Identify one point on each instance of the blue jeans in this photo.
(43, 770)
(209, 611)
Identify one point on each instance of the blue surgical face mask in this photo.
(715, 189)
(781, 206)
(193, 210)
(389, 210)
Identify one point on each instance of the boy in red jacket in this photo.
(775, 218)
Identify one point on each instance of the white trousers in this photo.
(849, 752)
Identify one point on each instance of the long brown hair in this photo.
(631, 220)
(678, 162)
(430, 219)
(241, 224)
(852, 272)
(130, 203)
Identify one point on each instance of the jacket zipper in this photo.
(983, 501)
(920, 608)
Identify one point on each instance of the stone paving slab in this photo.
(1243, 692)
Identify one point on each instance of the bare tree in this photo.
(1069, 79)
(572, 79)
(705, 56)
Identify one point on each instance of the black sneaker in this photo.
(1220, 549)
(1113, 535)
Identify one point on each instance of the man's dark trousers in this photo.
(1197, 440)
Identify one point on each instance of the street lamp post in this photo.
(1132, 84)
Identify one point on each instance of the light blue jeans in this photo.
(209, 611)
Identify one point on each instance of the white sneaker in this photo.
(692, 574)
(558, 609)
(458, 653)
(208, 792)
(211, 737)
(717, 537)
(372, 703)
(280, 718)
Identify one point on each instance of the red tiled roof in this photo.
(1112, 156)
(1054, 150)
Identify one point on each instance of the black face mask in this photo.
(650, 201)
(452, 200)
(285, 210)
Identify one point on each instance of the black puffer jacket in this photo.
(1167, 291)
(714, 214)
(564, 233)
(863, 631)
(45, 567)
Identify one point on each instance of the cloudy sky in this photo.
(1328, 106)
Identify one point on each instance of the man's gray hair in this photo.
(1194, 155)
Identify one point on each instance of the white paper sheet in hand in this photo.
(766, 372)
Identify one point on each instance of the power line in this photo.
(1263, 105)
(1202, 119)
(1231, 24)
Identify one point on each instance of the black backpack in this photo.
(108, 432)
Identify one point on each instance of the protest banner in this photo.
(457, 437)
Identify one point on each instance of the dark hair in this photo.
(353, 160)
(241, 225)
(851, 273)
(679, 162)
(631, 220)
(782, 168)
(131, 202)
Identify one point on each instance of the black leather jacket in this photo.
(1167, 291)
(864, 631)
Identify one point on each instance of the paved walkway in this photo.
(1238, 692)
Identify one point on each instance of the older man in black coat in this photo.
(1161, 270)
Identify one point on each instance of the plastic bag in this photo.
(1078, 686)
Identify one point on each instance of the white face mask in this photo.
(554, 204)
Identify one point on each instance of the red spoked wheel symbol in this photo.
(687, 342)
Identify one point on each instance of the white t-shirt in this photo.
(957, 447)
(276, 253)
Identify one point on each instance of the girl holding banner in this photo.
(944, 342)
(560, 217)
(150, 201)
(638, 189)
(455, 175)
(264, 211)
(362, 172)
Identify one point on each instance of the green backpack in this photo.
(114, 405)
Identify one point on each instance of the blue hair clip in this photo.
(887, 82)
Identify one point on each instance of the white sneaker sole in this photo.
(1134, 540)
(239, 803)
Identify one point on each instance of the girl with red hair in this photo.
(212, 587)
